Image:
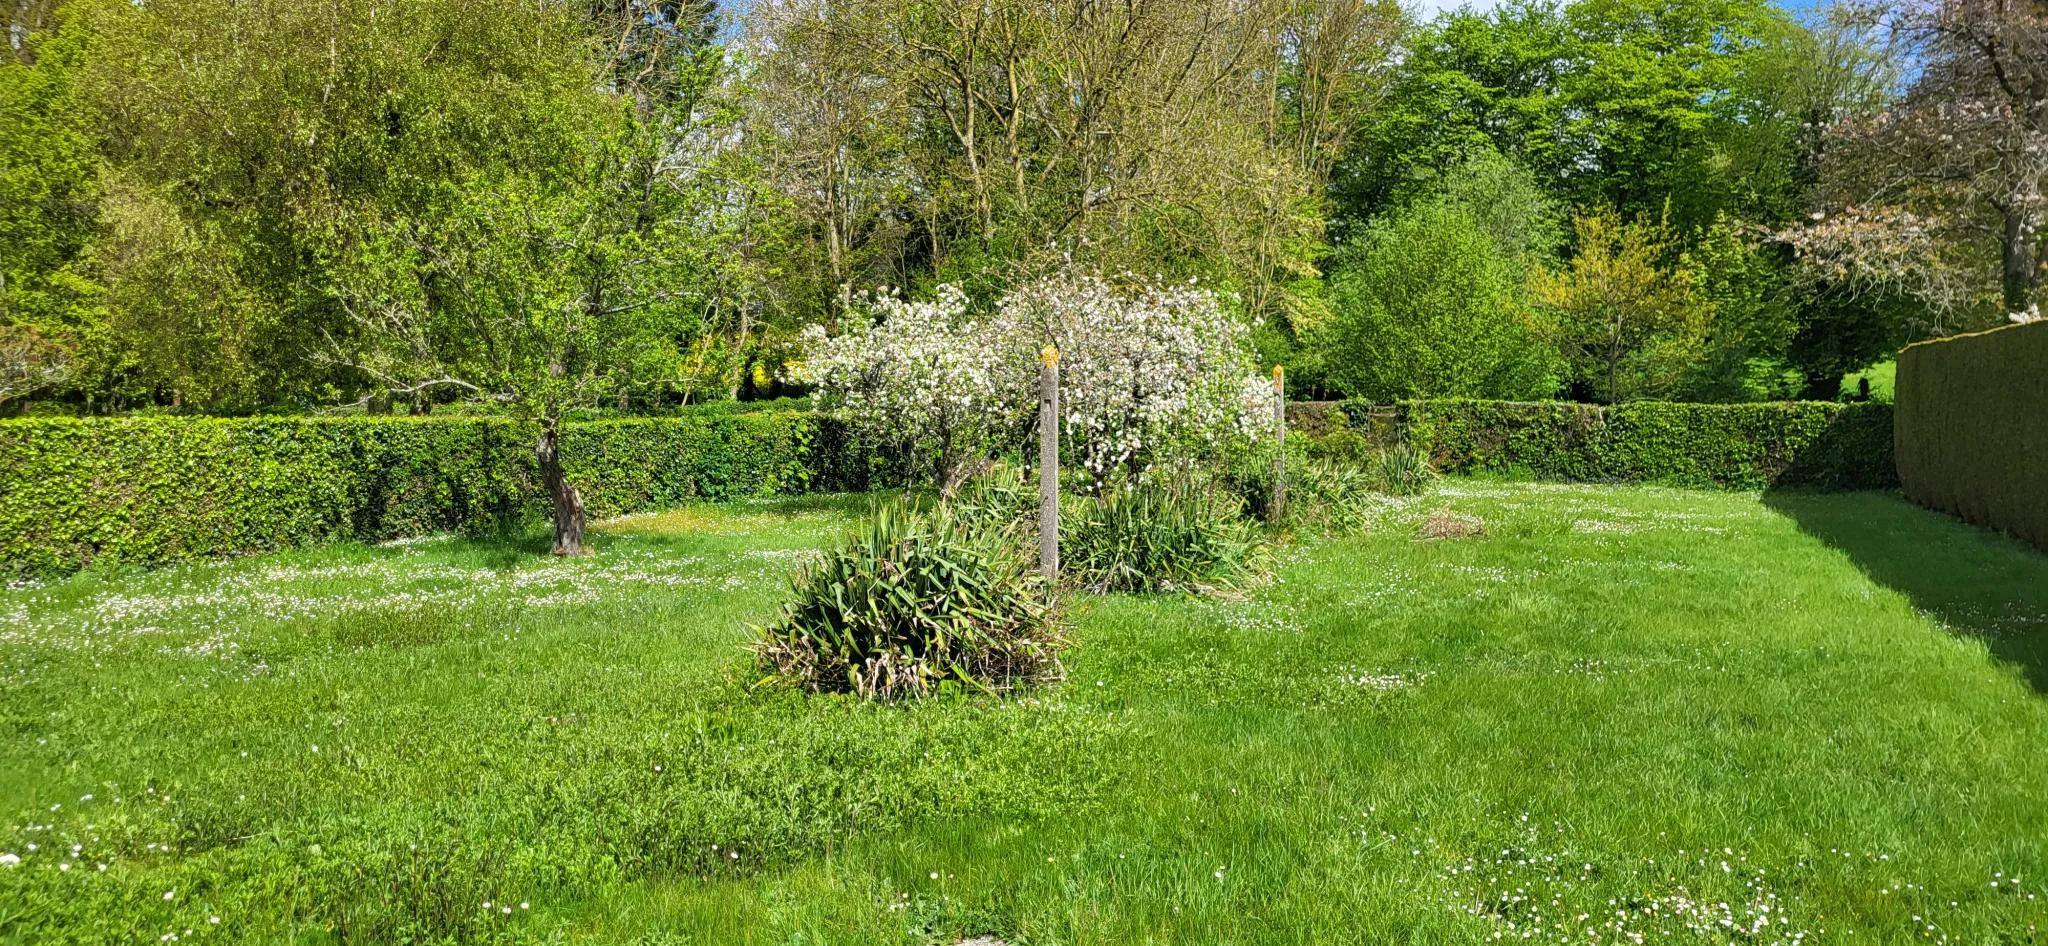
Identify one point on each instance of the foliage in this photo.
(1973, 427)
(1637, 104)
(1626, 310)
(75, 493)
(1403, 469)
(914, 603)
(1756, 313)
(49, 184)
(1938, 194)
(1737, 446)
(1150, 375)
(912, 143)
(30, 362)
(1175, 535)
(1428, 305)
(937, 384)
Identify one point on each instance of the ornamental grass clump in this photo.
(1173, 536)
(1403, 470)
(915, 602)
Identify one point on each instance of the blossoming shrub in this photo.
(914, 602)
(1156, 375)
(928, 379)
(1152, 376)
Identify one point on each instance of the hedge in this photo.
(1972, 427)
(1735, 446)
(145, 490)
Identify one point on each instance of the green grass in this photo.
(1653, 708)
(1881, 375)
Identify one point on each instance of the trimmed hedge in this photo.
(1972, 427)
(1734, 446)
(146, 490)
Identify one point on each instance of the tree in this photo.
(1624, 311)
(531, 294)
(1151, 374)
(986, 143)
(1429, 301)
(30, 362)
(1940, 195)
(1638, 104)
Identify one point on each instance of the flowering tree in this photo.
(1941, 194)
(1147, 376)
(927, 377)
(1152, 375)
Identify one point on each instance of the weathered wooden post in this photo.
(1049, 463)
(1280, 441)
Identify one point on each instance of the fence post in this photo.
(1049, 464)
(1279, 513)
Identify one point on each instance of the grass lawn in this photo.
(1622, 715)
(1882, 375)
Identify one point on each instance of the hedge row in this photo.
(1735, 446)
(75, 492)
(1972, 427)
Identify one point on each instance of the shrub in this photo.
(1973, 427)
(1740, 446)
(149, 490)
(914, 602)
(1149, 373)
(1402, 470)
(1426, 306)
(1161, 536)
(1330, 495)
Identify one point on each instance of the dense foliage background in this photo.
(279, 206)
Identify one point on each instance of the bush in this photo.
(914, 602)
(1161, 537)
(1330, 495)
(1973, 427)
(1425, 306)
(148, 490)
(1402, 470)
(1738, 446)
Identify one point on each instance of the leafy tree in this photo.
(1755, 307)
(1638, 104)
(534, 294)
(49, 182)
(1428, 305)
(1627, 311)
(985, 143)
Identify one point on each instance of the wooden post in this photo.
(1279, 512)
(1049, 463)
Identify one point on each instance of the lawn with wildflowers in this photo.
(1613, 715)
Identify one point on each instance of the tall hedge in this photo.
(74, 492)
(1972, 427)
(1736, 446)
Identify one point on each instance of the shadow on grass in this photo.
(1981, 583)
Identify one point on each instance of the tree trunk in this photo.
(566, 501)
(2021, 275)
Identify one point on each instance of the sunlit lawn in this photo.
(1622, 715)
